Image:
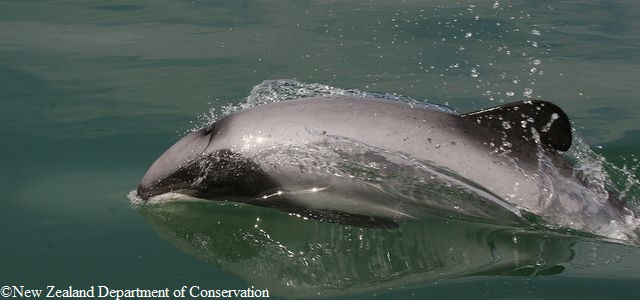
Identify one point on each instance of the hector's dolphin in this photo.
(295, 156)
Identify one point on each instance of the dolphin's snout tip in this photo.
(173, 169)
(144, 193)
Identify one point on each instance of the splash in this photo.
(395, 182)
(278, 90)
(590, 203)
(607, 184)
(134, 199)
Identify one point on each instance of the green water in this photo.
(93, 91)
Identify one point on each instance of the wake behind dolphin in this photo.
(367, 161)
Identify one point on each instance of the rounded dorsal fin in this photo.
(517, 118)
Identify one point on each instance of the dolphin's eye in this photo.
(208, 130)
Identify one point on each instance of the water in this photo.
(93, 92)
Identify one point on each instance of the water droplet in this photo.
(510, 93)
(535, 32)
(468, 35)
(474, 73)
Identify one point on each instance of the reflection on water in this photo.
(305, 258)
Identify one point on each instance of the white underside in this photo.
(173, 196)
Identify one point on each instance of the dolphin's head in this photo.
(178, 168)
(194, 167)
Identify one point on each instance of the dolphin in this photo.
(298, 156)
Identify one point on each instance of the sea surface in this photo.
(91, 92)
